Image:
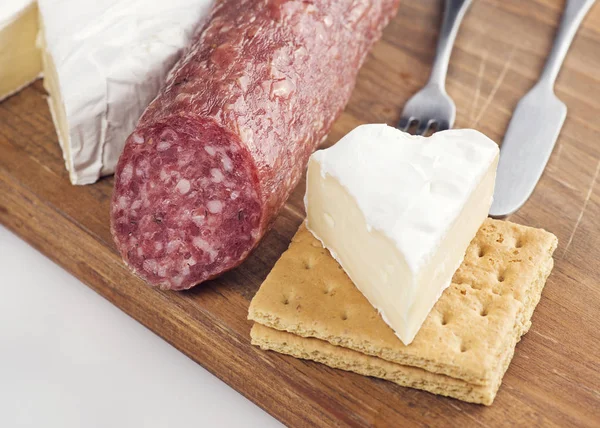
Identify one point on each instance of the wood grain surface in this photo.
(554, 379)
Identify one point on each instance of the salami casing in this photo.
(217, 153)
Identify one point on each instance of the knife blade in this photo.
(536, 123)
(526, 149)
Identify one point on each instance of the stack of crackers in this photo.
(309, 308)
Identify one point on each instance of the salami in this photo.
(217, 153)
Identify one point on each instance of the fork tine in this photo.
(423, 127)
(443, 125)
(404, 123)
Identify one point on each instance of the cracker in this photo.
(337, 357)
(469, 335)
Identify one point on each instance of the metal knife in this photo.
(536, 124)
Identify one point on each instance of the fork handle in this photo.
(574, 13)
(454, 12)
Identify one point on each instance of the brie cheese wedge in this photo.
(20, 61)
(104, 61)
(399, 211)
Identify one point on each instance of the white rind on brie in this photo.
(398, 212)
(104, 62)
(20, 61)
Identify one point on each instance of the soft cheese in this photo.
(20, 61)
(104, 61)
(398, 212)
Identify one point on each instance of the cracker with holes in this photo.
(309, 308)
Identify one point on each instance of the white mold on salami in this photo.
(243, 82)
(246, 133)
(183, 97)
(282, 88)
(300, 53)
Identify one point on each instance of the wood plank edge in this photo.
(275, 391)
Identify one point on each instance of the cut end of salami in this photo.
(219, 150)
(186, 204)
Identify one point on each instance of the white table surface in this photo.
(69, 358)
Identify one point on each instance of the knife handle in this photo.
(574, 13)
(454, 12)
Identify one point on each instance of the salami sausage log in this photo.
(217, 153)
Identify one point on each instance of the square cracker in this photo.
(469, 335)
(309, 348)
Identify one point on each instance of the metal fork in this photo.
(432, 105)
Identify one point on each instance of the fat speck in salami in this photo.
(217, 153)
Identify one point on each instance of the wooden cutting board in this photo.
(554, 378)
